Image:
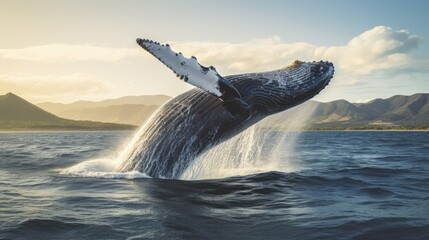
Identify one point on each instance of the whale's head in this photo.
(303, 80)
(278, 90)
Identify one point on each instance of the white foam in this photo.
(244, 154)
(247, 154)
(100, 168)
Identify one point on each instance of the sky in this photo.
(64, 51)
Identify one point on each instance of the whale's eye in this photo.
(294, 64)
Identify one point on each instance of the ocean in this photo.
(329, 185)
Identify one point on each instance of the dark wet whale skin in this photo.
(194, 121)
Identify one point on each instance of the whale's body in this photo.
(196, 120)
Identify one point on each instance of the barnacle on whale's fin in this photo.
(189, 70)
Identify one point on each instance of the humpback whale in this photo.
(218, 109)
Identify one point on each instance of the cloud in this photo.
(254, 55)
(348, 83)
(66, 53)
(61, 88)
(381, 52)
(378, 49)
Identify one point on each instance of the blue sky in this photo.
(64, 51)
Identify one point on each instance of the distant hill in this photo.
(14, 108)
(394, 112)
(125, 110)
(142, 100)
(397, 112)
(135, 114)
(18, 114)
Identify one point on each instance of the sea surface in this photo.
(348, 185)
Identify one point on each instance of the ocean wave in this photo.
(381, 228)
(100, 168)
(375, 171)
(378, 192)
(298, 179)
(56, 229)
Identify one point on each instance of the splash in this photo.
(266, 146)
(261, 148)
(107, 167)
(100, 168)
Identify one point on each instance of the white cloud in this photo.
(61, 88)
(376, 52)
(254, 55)
(378, 49)
(66, 52)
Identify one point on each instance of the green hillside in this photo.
(397, 112)
(19, 114)
(339, 111)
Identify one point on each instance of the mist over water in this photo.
(106, 165)
(256, 150)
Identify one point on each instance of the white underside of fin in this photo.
(188, 69)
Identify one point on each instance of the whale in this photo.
(217, 109)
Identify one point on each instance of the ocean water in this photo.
(342, 185)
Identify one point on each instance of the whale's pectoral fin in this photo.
(189, 70)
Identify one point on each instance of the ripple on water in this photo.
(56, 229)
(377, 192)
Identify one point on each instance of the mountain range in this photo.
(397, 112)
(394, 111)
(132, 110)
